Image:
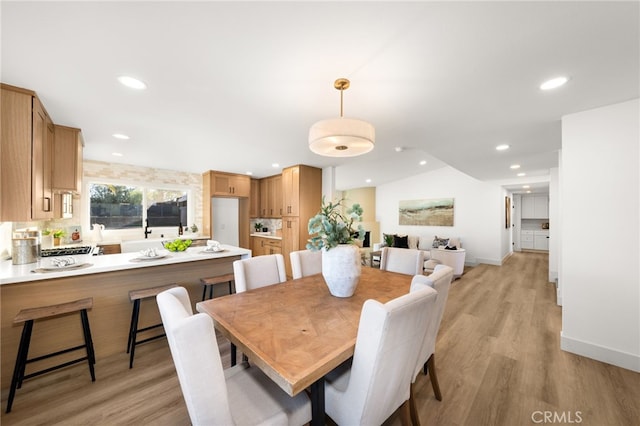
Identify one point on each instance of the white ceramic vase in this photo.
(341, 269)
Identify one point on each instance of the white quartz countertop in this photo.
(265, 235)
(10, 273)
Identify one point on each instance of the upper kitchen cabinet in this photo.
(535, 206)
(254, 199)
(271, 196)
(230, 185)
(26, 147)
(67, 159)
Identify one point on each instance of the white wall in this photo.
(554, 226)
(478, 211)
(600, 234)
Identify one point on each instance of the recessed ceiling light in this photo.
(275, 165)
(399, 149)
(250, 173)
(116, 154)
(553, 83)
(515, 166)
(120, 136)
(521, 174)
(368, 180)
(502, 147)
(131, 82)
(526, 186)
(423, 162)
(528, 192)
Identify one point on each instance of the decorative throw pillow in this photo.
(424, 243)
(437, 242)
(401, 241)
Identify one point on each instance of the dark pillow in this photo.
(401, 241)
(437, 242)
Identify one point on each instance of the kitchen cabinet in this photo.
(254, 199)
(541, 240)
(230, 185)
(535, 206)
(261, 246)
(271, 196)
(26, 143)
(67, 159)
(302, 199)
(221, 184)
(526, 239)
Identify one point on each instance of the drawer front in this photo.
(526, 237)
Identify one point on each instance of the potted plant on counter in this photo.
(333, 233)
(258, 226)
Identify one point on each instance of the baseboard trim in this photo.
(489, 261)
(600, 353)
(506, 257)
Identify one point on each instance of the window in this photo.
(128, 206)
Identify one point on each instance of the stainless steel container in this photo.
(25, 250)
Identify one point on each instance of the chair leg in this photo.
(405, 415)
(134, 330)
(431, 365)
(233, 354)
(415, 419)
(211, 291)
(204, 292)
(21, 362)
(88, 342)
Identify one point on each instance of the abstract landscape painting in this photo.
(433, 212)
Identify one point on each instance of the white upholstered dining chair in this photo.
(259, 271)
(240, 395)
(440, 280)
(305, 263)
(401, 260)
(379, 378)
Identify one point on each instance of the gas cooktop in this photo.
(66, 251)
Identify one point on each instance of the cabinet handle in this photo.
(48, 202)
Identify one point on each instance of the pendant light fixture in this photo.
(341, 137)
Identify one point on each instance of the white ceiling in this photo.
(235, 86)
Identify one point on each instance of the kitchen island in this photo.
(108, 280)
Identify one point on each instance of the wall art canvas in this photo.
(432, 212)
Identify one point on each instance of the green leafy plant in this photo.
(258, 226)
(331, 227)
(58, 233)
(388, 240)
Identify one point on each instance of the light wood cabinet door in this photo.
(271, 197)
(42, 162)
(230, 185)
(290, 239)
(291, 191)
(276, 196)
(254, 199)
(15, 146)
(67, 159)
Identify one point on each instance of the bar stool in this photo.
(136, 296)
(210, 282)
(28, 316)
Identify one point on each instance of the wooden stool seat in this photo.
(211, 281)
(28, 316)
(136, 296)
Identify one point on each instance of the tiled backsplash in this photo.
(271, 224)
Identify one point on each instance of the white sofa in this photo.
(436, 255)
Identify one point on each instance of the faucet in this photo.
(147, 231)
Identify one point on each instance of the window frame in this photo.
(136, 233)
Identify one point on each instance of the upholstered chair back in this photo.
(305, 263)
(259, 271)
(403, 261)
(440, 280)
(196, 357)
(389, 337)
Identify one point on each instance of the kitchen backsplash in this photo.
(272, 225)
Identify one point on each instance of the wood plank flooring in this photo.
(498, 359)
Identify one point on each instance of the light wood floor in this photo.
(498, 359)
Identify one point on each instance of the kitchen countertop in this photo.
(10, 273)
(266, 235)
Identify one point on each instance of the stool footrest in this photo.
(55, 367)
(148, 339)
(151, 327)
(64, 351)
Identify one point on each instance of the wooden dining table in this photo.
(296, 332)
